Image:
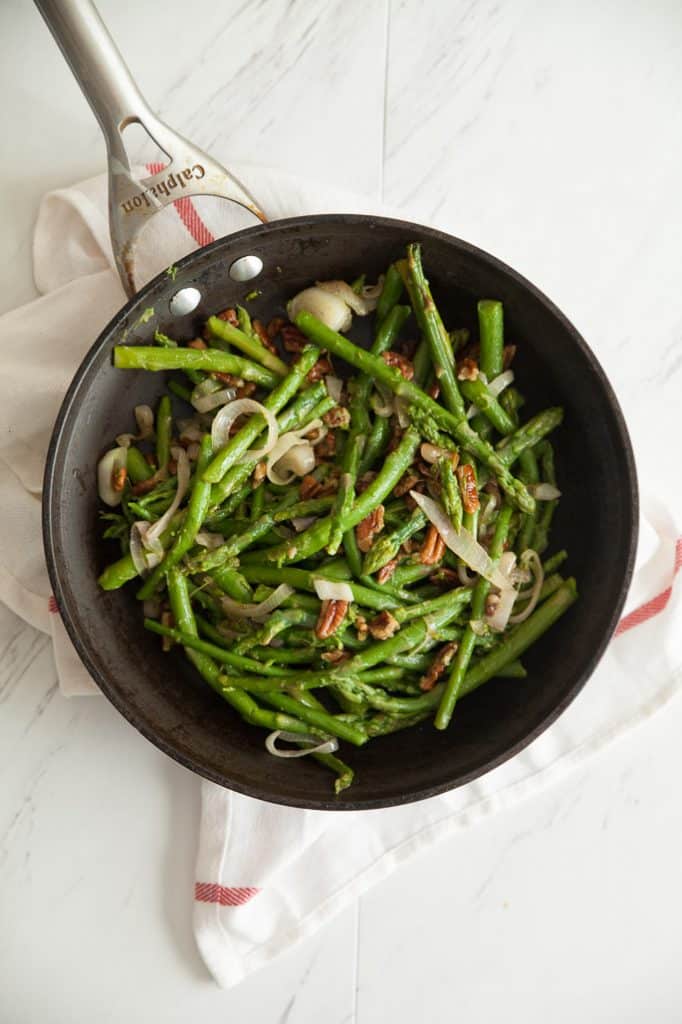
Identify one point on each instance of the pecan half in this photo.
(383, 626)
(332, 614)
(508, 353)
(229, 379)
(167, 620)
(387, 571)
(433, 548)
(266, 341)
(230, 315)
(361, 626)
(467, 369)
(369, 527)
(405, 484)
(399, 362)
(491, 604)
(321, 368)
(445, 576)
(259, 473)
(274, 327)
(246, 390)
(335, 657)
(337, 417)
(433, 390)
(144, 486)
(294, 340)
(118, 478)
(197, 343)
(326, 448)
(467, 485)
(438, 666)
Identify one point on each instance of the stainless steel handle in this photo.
(117, 102)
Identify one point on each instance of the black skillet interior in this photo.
(163, 697)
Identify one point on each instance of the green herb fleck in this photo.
(252, 295)
(172, 271)
(146, 316)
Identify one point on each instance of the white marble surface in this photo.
(549, 133)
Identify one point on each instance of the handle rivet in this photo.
(185, 301)
(246, 268)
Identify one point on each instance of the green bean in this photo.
(180, 390)
(316, 537)
(249, 344)
(304, 579)
(546, 514)
(553, 563)
(418, 400)
(237, 447)
(477, 392)
(143, 357)
(192, 523)
(137, 466)
(164, 429)
(491, 337)
(377, 440)
(468, 641)
(390, 293)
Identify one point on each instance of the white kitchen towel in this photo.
(267, 876)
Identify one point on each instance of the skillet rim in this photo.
(51, 513)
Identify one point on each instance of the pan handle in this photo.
(117, 102)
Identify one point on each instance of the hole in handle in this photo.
(185, 301)
(142, 148)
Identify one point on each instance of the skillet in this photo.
(161, 695)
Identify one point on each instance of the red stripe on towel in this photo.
(187, 213)
(52, 605)
(234, 896)
(656, 605)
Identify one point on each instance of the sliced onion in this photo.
(462, 543)
(382, 403)
(334, 387)
(478, 627)
(544, 492)
(294, 439)
(220, 428)
(530, 557)
(144, 559)
(144, 417)
(153, 534)
(496, 387)
(298, 461)
(360, 304)
(257, 611)
(507, 564)
(500, 617)
(110, 463)
(432, 453)
(190, 430)
(332, 590)
(373, 291)
(209, 540)
(401, 408)
(329, 309)
(500, 383)
(209, 395)
(313, 744)
(466, 578)
(301, 523)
